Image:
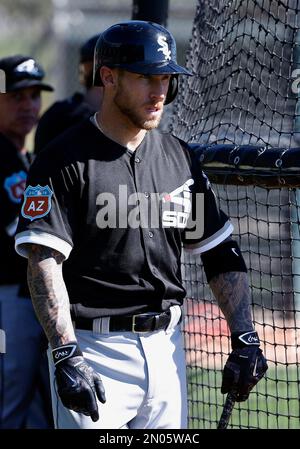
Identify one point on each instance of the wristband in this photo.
(242, 339)
(223, 258)
(65, 352)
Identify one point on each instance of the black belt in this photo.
(133, 323)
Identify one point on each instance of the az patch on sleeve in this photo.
(37, 202)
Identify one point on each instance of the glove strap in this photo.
(242, 339)
(66, 351)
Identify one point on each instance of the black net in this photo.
(266, 223)
(246, 60)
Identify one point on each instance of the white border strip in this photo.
(41, 238)
(211, 241)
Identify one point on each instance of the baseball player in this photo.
(66, 113)
(25, 339)
(106, 210)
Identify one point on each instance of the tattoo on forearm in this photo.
(233, 295)
(49, 294)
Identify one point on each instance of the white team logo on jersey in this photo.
(152, 210)
(164, 48)
(180, 197)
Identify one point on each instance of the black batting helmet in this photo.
(140, 47)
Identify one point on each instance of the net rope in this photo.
(263, 220)
(245, 56)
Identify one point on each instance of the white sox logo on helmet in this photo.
(164, 48)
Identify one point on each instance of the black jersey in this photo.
(13, 173)
(59, 117)
(119, 218)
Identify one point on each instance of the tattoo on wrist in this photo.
(49, 294)
(233, 295)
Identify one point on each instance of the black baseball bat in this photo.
(227, 410)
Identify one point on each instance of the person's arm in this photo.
(233, 296)
(78, 384)
(49, 294)
(246, 364)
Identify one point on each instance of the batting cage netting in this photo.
(241, 112)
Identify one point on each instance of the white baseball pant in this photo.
(144, 376)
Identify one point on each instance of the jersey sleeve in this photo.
(208, 225)
(49, 205)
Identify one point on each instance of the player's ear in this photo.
(107, 76)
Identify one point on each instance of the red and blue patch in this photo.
(37, 202)
(15, 185)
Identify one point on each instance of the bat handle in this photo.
(227, 410)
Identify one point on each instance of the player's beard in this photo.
(123, 101)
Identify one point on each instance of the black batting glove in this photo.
(245, 366)
(78, 385)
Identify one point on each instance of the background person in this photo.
(24, 362)
(66, 113)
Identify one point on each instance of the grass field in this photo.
(273, 404)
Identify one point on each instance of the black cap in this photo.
(87, 49)
(21, 72)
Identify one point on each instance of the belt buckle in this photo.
(133, 325)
